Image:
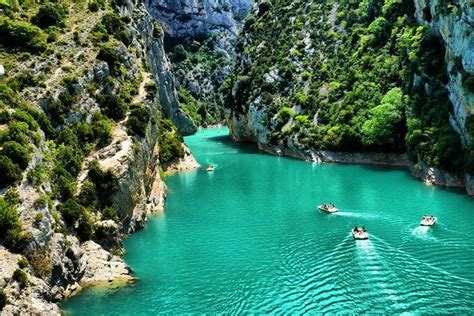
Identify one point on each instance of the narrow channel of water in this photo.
(248, 238)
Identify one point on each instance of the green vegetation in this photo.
(50, 14)
(200, 61)
(348, 77)
(20, 277)
(138, 119)
(171, 143)
(12, 235)
(22, 35)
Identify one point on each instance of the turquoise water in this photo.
(248, 238)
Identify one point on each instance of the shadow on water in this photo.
(243, 147)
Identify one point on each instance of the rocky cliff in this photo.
(201, 38)
(342, 82)
(94, 173)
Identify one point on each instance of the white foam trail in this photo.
(427, 264)
(348, 214)
(422, 232)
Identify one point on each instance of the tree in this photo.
(378, 129)
(49, 14)
(10, 171)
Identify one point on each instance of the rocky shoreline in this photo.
(428, 174)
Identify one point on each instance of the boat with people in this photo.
(360, 233)
(428, 220)
(210, 168)
(328, 208)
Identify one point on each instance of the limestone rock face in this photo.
(154, 46)
(103, 266)
(456, 28)
(190, 18)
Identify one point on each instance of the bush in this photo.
(105, 183)
(38, 174)
(18, 153)
(102, 129)
(22, 35)
(21, 277)
(113, 106)
(171, 146)
(10, 171)
(109, 53)
(50, 14)
(138, 119)
(22, 263)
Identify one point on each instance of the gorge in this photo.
(95, 97)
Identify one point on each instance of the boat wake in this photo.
(418, 262)
(422, 232)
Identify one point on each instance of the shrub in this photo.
(10, 171)
(22, 35)
(170, 142)
(21, 277)
(138, 119)
(22, 263)
(102, 129)
(109, 53)
(38, 174)
(38, 217)
(105, 183)
(113, 106)
(40, 263)
(110, 212)
(18, 153)
(71, 212)
(49, 14)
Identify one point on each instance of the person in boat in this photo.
(363, 229)
(356, 229)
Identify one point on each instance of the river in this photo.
(247, 238)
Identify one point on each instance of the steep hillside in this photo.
(200, 38)
(316, 79)
(87, 105)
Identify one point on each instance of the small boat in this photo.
(210, 168)
(360, 233)
(428, 220)
(328, 208)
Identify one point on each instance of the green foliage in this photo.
(113, 106)
(38, 174)
(50, 14)
(105, 184)
(22, 35)
(21, 277)
(11, 235)
(17, 153)
(195, 109)
(109, 52)
(10, 171)
(77, 218)
(138, 119)
(171, 146)
(381, 127)
(352, 79)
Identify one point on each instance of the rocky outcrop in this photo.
(153, 39)
(190, 18)
(102, 266)
(186, 163)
